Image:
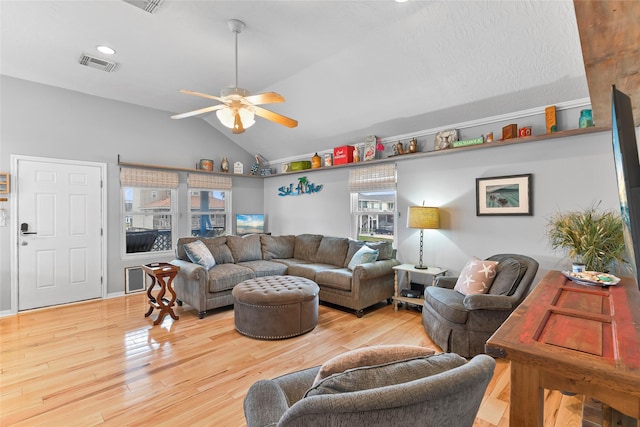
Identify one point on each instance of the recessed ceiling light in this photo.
(106, 50)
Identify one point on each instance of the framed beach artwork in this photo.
(504, 195)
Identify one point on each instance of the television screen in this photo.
(625, 155)
(249, 223)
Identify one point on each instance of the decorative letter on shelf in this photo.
(303, 187)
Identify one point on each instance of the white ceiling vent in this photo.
(97, 63)
(146, 5)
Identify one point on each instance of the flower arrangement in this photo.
(591, 237)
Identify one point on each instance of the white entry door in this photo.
(60, 226)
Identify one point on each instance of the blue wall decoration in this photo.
(303, 187)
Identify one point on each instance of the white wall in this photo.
(568, 173)
(44, 121)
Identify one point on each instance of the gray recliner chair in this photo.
(449, 397)
(462, 324)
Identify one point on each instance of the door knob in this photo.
(24, 229)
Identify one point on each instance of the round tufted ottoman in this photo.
(275, 307)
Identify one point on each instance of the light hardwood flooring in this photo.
(104, 363)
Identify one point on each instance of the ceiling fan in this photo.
(238, 107)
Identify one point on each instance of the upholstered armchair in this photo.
(462, 324)
(447, 391)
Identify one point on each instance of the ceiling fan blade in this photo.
(265, 98)
(275, 117)
(200, 111)
(202, 95)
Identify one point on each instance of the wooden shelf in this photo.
(174, 168)
(392, 158)
(5, 187)
(486, 145)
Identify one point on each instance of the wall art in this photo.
(504, 195)
(303, 187)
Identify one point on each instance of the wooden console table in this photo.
(163, 273)
(575, 338)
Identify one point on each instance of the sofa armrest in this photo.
(190, 270)
(488, 302)
(448, 282)
(371, 270)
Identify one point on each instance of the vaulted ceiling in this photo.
(346, 68)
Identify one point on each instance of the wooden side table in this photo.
(408, 269)
(162, 273)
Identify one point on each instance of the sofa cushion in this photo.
(354, 246)
(225, 276)
(308, 271)
(385, 249)
(277, 246)
(386, 374)
(307, 246)
(476, 277)
(447, 303)
(508, 275)
(364, 255)
(198, 253)
(217, 246)
(336, 278)
(368, 356)
(332, 250)
(265, 268)
(245, 248)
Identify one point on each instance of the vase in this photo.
(586, 119)
(224, 165)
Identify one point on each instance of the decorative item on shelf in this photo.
(356, 154)
(316, 162)
(328, 159)
(467, 142)
(266, 172)
(224, 165)
(299, 165)
(369, 150)
(398, 148)
(206, 164)
(586, 119)
(592, 237)
(488, 137)
(303, 187)
(256, 166)
(550, 119)
(4, 183)
(524, 131)
(509, 131)
(445, 138)
(343, 155)
(413, 145)
(238, 168)
(286, 167)
(423, 217)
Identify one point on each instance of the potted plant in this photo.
(590, 237)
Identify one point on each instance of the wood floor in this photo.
(104, 363)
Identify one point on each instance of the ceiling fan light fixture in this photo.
(227, 117)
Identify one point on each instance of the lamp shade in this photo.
(227, 117)
(423, 217)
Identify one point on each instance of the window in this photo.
(148, 209)
(209, 212)
(373, 202)
(209, 205)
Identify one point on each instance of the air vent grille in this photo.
(146, 5)
(98, 63)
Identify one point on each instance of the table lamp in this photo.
(423, 217)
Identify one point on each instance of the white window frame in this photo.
(356, 212)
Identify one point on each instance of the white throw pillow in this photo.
(365, 254)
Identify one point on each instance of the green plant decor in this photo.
(590, 237)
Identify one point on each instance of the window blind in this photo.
(133, 177)
(203, 180)
(373, 178)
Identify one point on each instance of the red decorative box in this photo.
(343, 155)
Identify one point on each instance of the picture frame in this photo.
(504, 195)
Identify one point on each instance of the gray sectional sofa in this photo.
(320, 258)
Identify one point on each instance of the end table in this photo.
(409, 269)
(162, 273)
